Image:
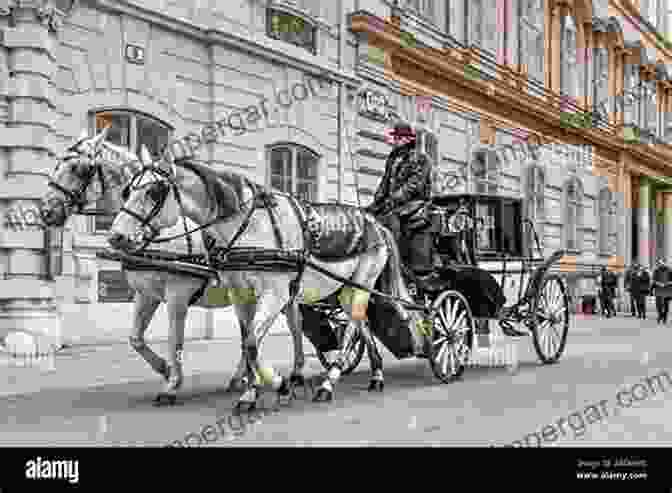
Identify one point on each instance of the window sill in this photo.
(569, 251)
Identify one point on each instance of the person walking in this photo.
(608, 284)
(628, 286)
(662, 290)
(641, 287)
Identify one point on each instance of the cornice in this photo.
(433, 69)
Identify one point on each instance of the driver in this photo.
(404, 189)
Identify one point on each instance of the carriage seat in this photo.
(338, 231)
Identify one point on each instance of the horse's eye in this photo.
(156, 193)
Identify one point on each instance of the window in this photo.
(485, 168)
(130, 130)
(531, 42)
(64, 6)
(293, 170)
(631, 95)
(569, 74)
(601, 84)
(483, 24)
(424, 8)
(649, 107)
(606, 218)
(573, 214)
(428, 144)
(535, 204)
(291, 29)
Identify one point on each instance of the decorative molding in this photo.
(47, 13)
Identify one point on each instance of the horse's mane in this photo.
(226, 188)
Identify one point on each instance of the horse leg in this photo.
(238, 380)
(325, 393)
(143, 311)
(177, 315)
(294, 321)
(266, 310)
(376, 360)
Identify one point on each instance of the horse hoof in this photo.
(376, 385)
(242, 407)
(165, 399)
(323, 395)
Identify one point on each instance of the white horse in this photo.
(93, 170)
(243, 215)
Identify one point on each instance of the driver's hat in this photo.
(403, 128)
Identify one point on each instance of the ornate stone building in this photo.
(474, 75)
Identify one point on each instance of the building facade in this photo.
(500, 90)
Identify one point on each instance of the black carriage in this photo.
(484, 254)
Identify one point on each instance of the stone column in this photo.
(644, 237)
(28, 37)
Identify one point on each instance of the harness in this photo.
(230, 257)
(76, 199)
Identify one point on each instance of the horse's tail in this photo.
(391, 279)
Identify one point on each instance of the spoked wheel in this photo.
(338, 320)
(452, 336)
(549, 319)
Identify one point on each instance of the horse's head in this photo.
(151, 205)
(69, 191)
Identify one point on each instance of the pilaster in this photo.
(644, 238)
(28, 37)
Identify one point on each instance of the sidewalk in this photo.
(91, 366)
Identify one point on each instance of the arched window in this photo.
(606, 220)
(535, 204)
(570, 73)
(293, 169)
(131, 130)
(531, 44)
(573, 219)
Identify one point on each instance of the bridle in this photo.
(76, 199)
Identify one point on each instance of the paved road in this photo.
(103, 396)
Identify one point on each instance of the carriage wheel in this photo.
(452, 336)
(550, 319)
(338, 322)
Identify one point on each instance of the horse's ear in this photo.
(145, 157)
(98, 139)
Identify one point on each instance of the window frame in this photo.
(605, 220)
(578, 215)
(294, 148)
(487, 180)
(524, 23)
(535, 202)
(272, 9)
(568, 59)
(132, 144)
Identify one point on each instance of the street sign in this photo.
(135, 54)
(113, 287)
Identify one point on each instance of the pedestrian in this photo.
(662, 289)
(608, 283)
(628, 286)
(641, 288)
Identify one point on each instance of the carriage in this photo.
(478, 240)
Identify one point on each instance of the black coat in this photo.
(407, 178)
(641, 283)
(662, 274)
